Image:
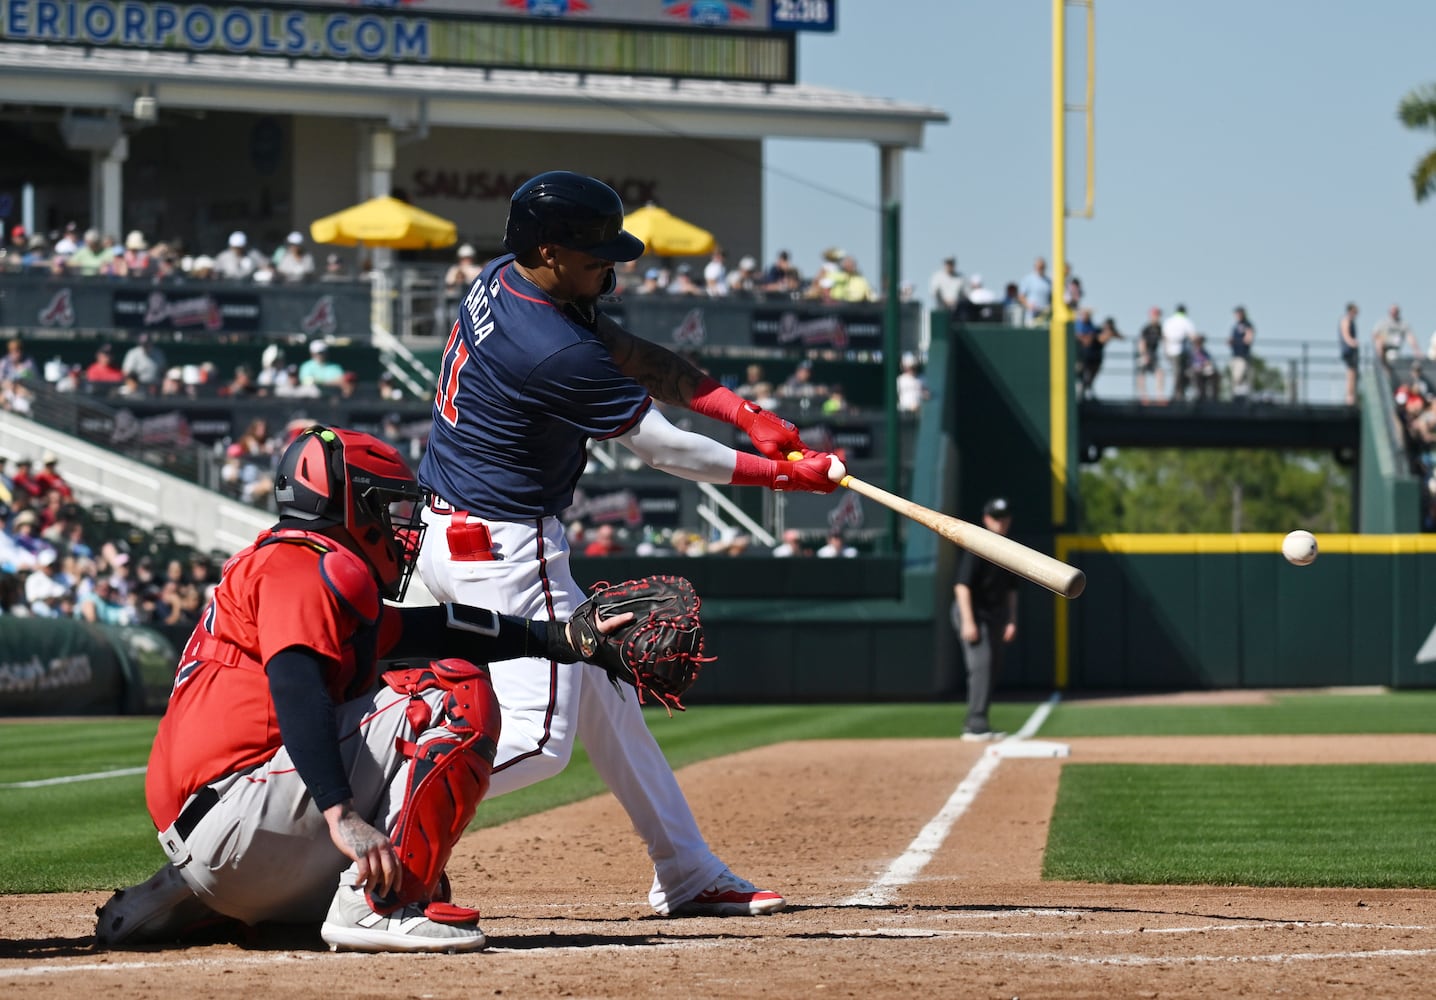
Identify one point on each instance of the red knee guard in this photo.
(449, 773)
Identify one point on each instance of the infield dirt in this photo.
(564, 901)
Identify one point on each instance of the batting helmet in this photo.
(354, 480)
(573, 211)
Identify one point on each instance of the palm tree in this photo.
(1418, 111)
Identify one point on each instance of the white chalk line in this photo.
(862, 932)
(1279, 958)
(70, 779)
(908, 865)
(1272, 925)
(177, 963)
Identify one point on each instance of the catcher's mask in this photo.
(354, 480)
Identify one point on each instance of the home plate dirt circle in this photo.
(564, 897)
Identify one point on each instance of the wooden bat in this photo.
(1028, 563)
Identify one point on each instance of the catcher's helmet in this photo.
(573, 211)
(361, 484)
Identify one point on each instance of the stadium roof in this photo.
(414, 95)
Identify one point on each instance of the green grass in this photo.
(1362, 826)
(1400, 712)
(37, 749)
(97, 834)
(1253, 825)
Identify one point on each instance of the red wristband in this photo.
(754, 470)
(712, 400)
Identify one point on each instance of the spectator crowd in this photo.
(53, 564)
(610, 539)
(143, 371)
(92, 254)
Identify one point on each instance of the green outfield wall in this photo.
(57, 666)
(1179, 612)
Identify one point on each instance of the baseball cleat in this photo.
(730, 896)
(160, 910)
(986, 736)
(353, 925)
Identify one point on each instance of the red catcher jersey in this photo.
(220, 718)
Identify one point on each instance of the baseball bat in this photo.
(1043, 570)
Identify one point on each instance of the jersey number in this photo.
(456, 355)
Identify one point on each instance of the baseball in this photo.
(1299, 547)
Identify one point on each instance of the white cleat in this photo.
(353, 925)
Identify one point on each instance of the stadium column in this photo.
(107, 177)
(381, 181)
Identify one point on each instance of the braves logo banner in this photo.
(59, 311)
(657, 507)
(180, 310)
(857, 329)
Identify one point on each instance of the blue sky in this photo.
(1247, 152)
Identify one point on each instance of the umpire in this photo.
(984, 606)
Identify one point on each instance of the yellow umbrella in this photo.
(385, 222)
(666, 235)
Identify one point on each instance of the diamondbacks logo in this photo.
(691, 331)
(60, 311)
(321, 318)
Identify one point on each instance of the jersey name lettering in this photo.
(481, 313)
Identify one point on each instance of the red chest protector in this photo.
(347, 577)
(344, 572)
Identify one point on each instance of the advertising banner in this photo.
(714, 39)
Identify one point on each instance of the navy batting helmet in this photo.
(573, 211)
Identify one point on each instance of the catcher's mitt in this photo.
(660, 652)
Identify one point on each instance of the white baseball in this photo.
(1299, 547)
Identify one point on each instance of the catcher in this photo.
(288, 785)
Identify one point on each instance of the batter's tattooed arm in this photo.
(669, 378)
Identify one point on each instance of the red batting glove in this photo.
(819, 472)
(771, 434)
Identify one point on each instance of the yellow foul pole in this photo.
(1060, 369)
(1060, 373)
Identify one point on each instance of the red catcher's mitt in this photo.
(660, 652)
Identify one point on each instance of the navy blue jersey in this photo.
(522, 387)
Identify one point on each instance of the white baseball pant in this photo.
(263, 851)
(547, 705)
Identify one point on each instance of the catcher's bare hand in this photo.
(606, 627)
(368, 848)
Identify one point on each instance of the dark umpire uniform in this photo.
(984, 615)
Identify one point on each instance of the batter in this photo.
(531, 372)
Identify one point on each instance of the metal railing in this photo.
(1284, 370)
